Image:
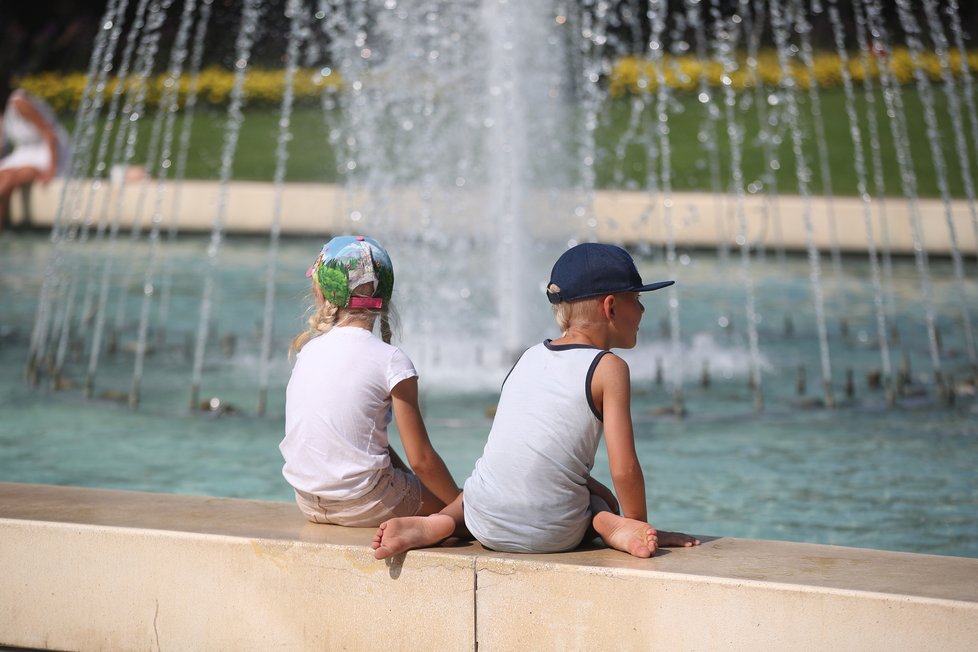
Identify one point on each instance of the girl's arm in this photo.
(424, 460)
(611, 389)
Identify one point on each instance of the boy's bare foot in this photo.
(628, 535)
(676, 540)
(402, 534)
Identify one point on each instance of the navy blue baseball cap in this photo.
(592, 269)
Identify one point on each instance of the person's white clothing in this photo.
(528, 492)
(29, 147)
(337, 409)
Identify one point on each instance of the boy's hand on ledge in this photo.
(676, 539)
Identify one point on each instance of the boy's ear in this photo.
(608, 306)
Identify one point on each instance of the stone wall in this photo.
(87, 569)
(699, 219)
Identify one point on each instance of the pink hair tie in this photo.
(366, 302)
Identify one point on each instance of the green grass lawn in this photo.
(311, 158)
(690, 160)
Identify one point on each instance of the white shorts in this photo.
(36, 156)
(396, 494)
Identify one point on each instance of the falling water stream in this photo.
(166, 114)
(251, 14)
(940, 165)
(803, 176)
(894, 105)
(101, 282)
(726, 38)
(297, 34)
(879, 185)
(967, 90)
(495, 169)
(707, 135)
(183, 150)
(863, 186)
(663, 100)
(767, 122)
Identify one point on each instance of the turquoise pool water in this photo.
(900, 478)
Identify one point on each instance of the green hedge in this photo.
(629, 75)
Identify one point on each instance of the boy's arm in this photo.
(611, 389)
(424, 460)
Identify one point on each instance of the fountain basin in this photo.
(103, 569)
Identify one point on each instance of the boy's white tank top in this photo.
(528, 492)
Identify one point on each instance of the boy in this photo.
(531, 491)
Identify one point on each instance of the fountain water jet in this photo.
(456, 139)
(860, 169)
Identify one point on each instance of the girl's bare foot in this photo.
(628, 535)
(676, 540)
(402, 534)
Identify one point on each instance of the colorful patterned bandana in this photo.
(348, 261)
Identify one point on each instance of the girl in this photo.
(40, 145)
(345, 385)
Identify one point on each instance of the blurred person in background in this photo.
(35, 146)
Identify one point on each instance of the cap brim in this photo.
(654, 286)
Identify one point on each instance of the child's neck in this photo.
(590, 335)
(365, 324)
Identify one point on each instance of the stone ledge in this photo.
(103, 569)
(700, 220)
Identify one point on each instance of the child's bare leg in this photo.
(6, 190)
(10, 180)
(409, 532)
(628, 535)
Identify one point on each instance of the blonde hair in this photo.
(580, 312)
(326, 316)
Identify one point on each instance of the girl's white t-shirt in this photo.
(337, 408)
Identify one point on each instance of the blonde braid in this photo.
(321, 321)
(385, 327)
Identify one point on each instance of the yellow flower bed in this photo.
(629, 75)
(632, 75)
(262, 86)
